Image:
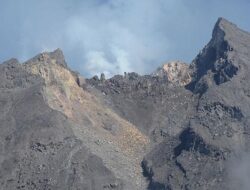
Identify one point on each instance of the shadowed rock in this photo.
(198, 157)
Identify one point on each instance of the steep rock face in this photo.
(38, 147)
(225, 103)
(222, 57)
(55, 135)
(199, 157)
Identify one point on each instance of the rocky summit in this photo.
(185, 126)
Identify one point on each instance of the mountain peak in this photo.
(224, 24)
(223, 27)
(50, 57)
(58, 56)
(221, 58)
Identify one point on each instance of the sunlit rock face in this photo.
(177, 73)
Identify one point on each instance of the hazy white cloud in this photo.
(97, 63)
(239, 172)
(119, 34)
(113, 36)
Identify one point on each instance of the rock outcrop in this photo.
(177, 73)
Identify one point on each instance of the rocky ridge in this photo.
(199, 157)
(177, 128)
(63, 119)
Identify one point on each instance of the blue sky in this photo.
(113, 36)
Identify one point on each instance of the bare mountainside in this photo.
(181, 127)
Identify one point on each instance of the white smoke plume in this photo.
(124, 35)
(239, 172)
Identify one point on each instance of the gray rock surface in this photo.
(150, 102)
(195, 130)
(218, 132)
(38, 148)
(181, 127)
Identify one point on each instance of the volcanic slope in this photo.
(217, 135)
(177, 128)
(55, 135)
